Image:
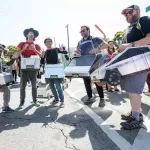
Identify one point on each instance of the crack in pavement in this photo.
(54, 128)
(28, 119)
(62, 131)
(66, 138)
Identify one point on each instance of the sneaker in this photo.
(117, 90)
(102, 102)
(110, 91)
(62, 105)
(7, 109)
(35, 103)
(21, 105)
(55, 101)
(131, 124)
(89, 101)
(128, 115)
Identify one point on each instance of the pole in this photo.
(54, 41)
(68, 39)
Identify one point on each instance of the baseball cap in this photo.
(130, 7)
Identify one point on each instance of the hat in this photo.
(130, 7)
(2, 46)
(26, 31)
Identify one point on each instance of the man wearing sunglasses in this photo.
(84, 48)
(138, 34)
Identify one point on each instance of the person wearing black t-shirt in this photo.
(51, 57)
(137, 34)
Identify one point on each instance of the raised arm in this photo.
(61, 50)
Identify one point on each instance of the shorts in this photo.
(134, 83)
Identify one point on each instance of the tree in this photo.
(12, 50)
(118, 37)
(148, 8)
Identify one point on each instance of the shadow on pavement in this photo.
(14, 86)
(82, 123)
(147, 94)
(114, 98)
(85, 126)
(19, 119)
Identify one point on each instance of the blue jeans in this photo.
(55, 85)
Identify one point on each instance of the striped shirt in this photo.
(89, 44)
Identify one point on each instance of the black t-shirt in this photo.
(51, 55)
(134, 34)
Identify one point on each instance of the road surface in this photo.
(76, 127)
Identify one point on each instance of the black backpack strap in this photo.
(23, 43)
(139, 27)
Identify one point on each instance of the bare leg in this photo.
(135, 102)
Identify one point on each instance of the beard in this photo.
(132, 19)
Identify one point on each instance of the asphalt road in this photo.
(76, 127)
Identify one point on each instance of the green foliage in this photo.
(118, 37)
(12, 50)
(147, 8)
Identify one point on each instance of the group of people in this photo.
(137, 34)
(133, 85)
(50, 56)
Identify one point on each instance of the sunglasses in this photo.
(82, 31)
(48, 42)
(129, 12)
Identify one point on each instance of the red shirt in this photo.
(28, 51)
(110, 56)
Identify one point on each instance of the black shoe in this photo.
(7, 109)
(132, 123)
(110, 91)
(35, 103)
(55, 101)
(128, 115)
(89, 101)
(21, 105)
(117, 90)
(102, 102)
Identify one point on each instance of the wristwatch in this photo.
(133, 44)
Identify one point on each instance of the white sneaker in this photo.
(62, 105)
